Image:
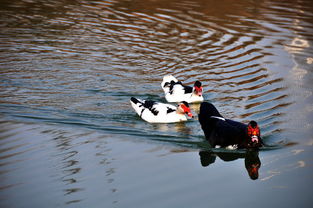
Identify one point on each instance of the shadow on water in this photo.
(251, 160)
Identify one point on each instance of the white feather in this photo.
(178, 94)
(167, 79)
(162, 116)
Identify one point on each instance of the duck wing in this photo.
(238, 125)
(167, 82)
(179, 88)
(142, 105)
(226, 132)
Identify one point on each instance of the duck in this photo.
(222, 132)
(175, 91)
(157, 112)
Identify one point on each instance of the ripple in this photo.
(109, 46)
(74, 65)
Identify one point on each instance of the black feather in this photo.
(170, 110)
(197, 84)
(187, 89)
(220, 131)
(149, 104)
(134, 100)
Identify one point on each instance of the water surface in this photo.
(70, 138)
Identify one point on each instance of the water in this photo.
(69, 138)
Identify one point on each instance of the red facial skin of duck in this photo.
(198, 90)
(187, 110)
(254, 133)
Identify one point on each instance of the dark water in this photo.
(69, 138)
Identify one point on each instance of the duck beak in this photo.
(255, 139)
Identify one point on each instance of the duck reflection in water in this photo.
(252, 160)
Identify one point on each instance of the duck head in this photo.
(184, 108)
(254, 135)
(197, 88)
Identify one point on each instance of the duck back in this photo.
(218, 130)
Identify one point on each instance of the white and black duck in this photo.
(225, 132)
(175, 91)
(155, 112)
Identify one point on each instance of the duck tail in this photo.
(135, 100)
(137, 104)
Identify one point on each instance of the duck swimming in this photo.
(175, 91)
(156, 112)
(225, 132)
